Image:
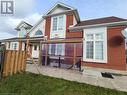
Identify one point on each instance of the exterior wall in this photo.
(70, 22)
(41, 27)
(115, 51)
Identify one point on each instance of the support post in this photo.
(46, 57)
(74, 56)
(40, 54)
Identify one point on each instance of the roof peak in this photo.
(57, 4)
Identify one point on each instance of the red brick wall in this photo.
(69, 22)
(115, 51)
(47, 27)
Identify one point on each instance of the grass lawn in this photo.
(32, 84)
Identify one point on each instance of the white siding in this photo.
(58, 10)
(41, 27)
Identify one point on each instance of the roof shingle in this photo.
(100, 21)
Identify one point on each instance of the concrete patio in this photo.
(118, 83)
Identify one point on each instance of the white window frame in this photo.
(13, 45)
(102, 30)
(58, 23)
(58, 33)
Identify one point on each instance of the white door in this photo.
(35, 51)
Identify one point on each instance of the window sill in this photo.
(96, 61)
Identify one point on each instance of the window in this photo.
(35, 47)
(38, 33)
(95, 47)
(58, 23)
(22, 32)
(54, 24)
(14, 46)
(56, 49)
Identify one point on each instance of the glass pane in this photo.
(60, 49)
(15, 46)
(89, 49)
(99, 36)
(52, 48)
(54, 23)
(99, 50)
(60, 23)
(89, 36)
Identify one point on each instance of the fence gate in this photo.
(14, 62)
(11, 61)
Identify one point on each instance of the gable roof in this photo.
(67, 8)
(59, 4)
(25, 23)
(101, 21)
(39, 21)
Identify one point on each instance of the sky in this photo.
(32, 10)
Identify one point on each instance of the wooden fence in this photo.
(14, 62)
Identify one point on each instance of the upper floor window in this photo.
(22, 32)
(38, 33)
(57, 23)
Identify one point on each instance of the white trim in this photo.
(55, 6)
(96, 31)
(12, 45)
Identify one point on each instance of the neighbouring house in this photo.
(96, 43)
(36, 34)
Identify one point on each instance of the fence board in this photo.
(24, 63)
(7, 63)
(16, 62)
(23, 58)
(20, 61)
(12, 63)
